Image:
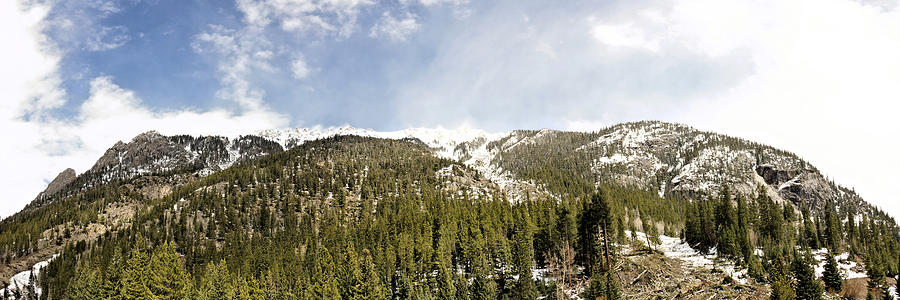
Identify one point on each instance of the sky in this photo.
(820, 78)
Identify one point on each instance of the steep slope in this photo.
(673, 160)
(153, 153)
(154, 179)
(61, 181)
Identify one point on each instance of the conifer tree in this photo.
(483, 287)
(831, 275)
(651, 232)
(167, 277)
(564, 254)
(324, 284)
(135, 276)
(371, 284)
(833, 228)
(110, 285)
(875, 273)
(806, 285)
(886, 293)
(217, 283)
(351, 277)
(85, 285)
(782, 285)
(743, 231)
(523, 256)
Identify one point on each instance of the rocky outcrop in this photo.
(153, 153)
(64, 178)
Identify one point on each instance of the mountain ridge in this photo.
(215, 189)
(671, 158)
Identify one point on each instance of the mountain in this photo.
(671, 159)
(210, 195)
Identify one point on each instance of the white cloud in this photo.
(623, 35)
(300, 69)
(825, 86)
(460, 7)
(238, 55)
(318, 16)
(824, 83)
(819, 82)
(395, 30)
(79, 25)
(37, 146)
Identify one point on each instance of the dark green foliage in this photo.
(362, 218)
(806, 284)
(348, 218)
(831, 275)
(523, 257)
(780, 279)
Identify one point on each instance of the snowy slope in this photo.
(19, 283)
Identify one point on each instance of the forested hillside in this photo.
(363, 217)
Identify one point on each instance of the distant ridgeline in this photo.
(428, 213)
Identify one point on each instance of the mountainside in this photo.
(671, 159)
(326, 190)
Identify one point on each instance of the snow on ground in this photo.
(19, 281)
(445, 142)
(848, 268)
(893, 291)
(676, 248)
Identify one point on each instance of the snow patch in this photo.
(849, 269)
(19, 283)
(676, 248)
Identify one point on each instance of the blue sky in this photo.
(816, 77)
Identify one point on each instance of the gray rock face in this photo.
(64, 178)
(677, 159)
(672, 160)
(153, 153)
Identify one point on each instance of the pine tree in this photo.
(743, 228)
(564, 255)
(324, 285)
(651, 232)
(111, 283)
(886, 293)
(217, 283)
(167, 277)
(85, 285)
(833, 228)
(135, 277)
(483, 287)
(832, 276)
(596, 288)
(782, 285)
(371, 284)
(351, 277)
(875, 274)
(613, 291)
(806, 285)
(603, 286)
(523, 257)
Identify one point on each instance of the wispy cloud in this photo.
(393, 29)
(43, 144)
(323, 17)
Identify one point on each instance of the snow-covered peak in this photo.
(443, 140)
